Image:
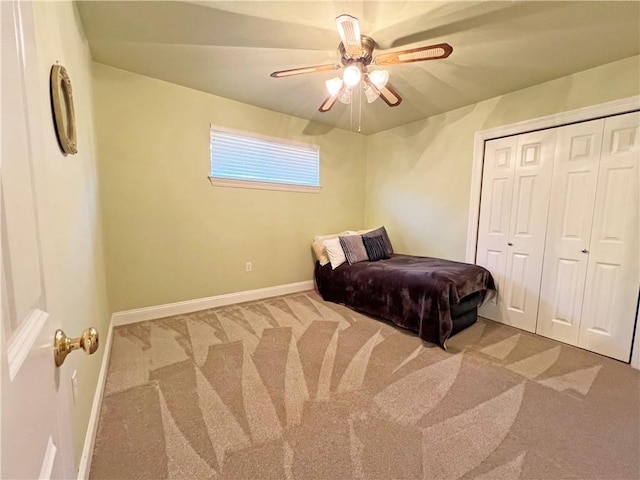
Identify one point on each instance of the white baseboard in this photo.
(92, 428)
(160, 311)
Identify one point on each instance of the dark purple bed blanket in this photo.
(412, 292)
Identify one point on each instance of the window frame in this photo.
(256, 184)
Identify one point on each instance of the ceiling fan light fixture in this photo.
(356, 55)
(333, 85)
(352, 75)
(379, 78)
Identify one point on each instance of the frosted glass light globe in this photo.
(351, 75)
(345, 97)
(334, 85)
(371, 94)
(379, 78)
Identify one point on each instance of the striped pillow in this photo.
(375, 248)
(388, 249)
(354, 249)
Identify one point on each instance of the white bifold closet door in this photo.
(591, 275)
(566, 256)
(513, 222)
(495, 212)
(613, 272)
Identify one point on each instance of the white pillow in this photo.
(318, 246)
(335, 252)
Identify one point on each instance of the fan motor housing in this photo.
(368, 44)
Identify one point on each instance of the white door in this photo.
(495, 210)
(34, 435)
(573, 193)
(613, 272)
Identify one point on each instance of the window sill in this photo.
(283, 187)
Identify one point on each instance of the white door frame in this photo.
(615, 107)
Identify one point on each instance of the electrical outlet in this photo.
(74, 385)
(248, 267)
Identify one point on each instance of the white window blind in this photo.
(241, 159)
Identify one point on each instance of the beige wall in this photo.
(419, 175)
(71, 234)
(170, 235)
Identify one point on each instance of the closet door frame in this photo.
(615, 107)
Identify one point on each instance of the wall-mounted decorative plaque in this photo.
(63, 113)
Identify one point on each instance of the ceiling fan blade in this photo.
(330, 101)
(349, 30)
(300, 71)
(420, 54)
(390, 96)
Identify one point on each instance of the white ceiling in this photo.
(230, 48)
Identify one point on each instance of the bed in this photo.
(434, 297)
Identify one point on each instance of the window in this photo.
(242, 159)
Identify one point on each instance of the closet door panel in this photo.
(613, 272)
(573, 192)
(495, 210)
(527, 228)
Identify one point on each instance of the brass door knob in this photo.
(63, 345)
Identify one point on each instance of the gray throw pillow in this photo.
(375, 248)
(353, 249)
(388, 249)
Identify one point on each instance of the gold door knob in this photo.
(63, 345)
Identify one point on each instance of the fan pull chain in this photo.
(360, 111)
(351, 113)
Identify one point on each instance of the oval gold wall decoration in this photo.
(63, 112)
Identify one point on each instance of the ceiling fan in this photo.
(356, 52)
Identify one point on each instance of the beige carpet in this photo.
(296, 388)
